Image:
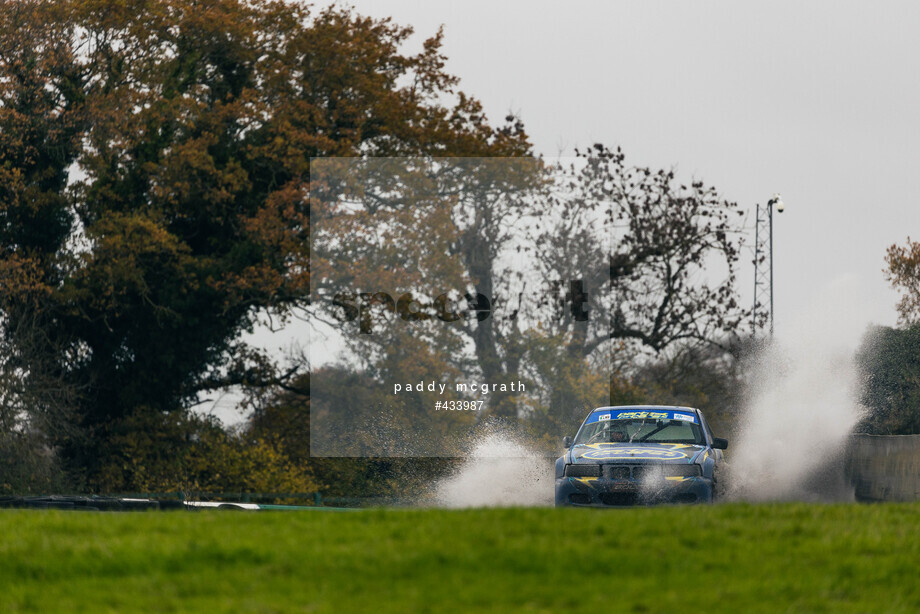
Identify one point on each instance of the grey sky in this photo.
(816, 100)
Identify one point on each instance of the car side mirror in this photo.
(719, 444)
(566, 442)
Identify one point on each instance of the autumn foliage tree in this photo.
(889, 358)
(154, 165)
(904, 274)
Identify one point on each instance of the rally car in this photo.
(634, 455)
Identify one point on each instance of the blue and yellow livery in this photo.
(640, 454)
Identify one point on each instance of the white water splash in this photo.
(500, 471)
(804, 405)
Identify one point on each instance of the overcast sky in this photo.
(816, 100)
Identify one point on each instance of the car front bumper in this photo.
(604, 492)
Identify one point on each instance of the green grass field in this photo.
(733, 558)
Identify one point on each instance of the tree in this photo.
(564, 387)
(889, 359)
(154, 163)
(153, 452)
(285, 419)
(636, 262)
(36, 408)
(654, 291)
(448, 223)
(661, 255)
(707, 377)
(903, 273)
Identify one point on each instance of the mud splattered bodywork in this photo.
(634, 455)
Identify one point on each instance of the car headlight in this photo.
(590, 470)
(683, 471)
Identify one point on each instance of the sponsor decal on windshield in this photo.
(641, 415)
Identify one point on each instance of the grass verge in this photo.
(734, 557)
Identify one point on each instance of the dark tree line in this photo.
(154, 164)
(155, 184)
(889, 358)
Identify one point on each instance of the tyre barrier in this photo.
(89, 504)
(139, 504)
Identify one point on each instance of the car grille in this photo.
(640, 472)
(617, 472)
(626, 472)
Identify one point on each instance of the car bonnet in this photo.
(643, 452)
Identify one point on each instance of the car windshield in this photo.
(665, 429)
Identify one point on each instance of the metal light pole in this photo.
(763, 250)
